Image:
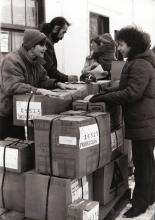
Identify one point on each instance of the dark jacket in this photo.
(136, 94)
(51, 63)
(19, 75)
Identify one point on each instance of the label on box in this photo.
(89, 136)
(113, 141)
(76, 190)
(34, 110)
(67, 140)
(92, 214)
(11, 158)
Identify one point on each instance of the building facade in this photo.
(87, 18)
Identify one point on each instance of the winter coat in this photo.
(136, 94)
(19, 75)
(51, 63)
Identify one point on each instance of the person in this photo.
(22, 72)
(153, 49)
(55, 31)
(136, 94)
(99, 62)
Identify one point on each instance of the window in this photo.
(16, 15)
(98, 24)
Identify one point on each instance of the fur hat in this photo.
(32, 37)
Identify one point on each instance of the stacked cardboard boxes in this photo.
(16, 158)
(77, 167)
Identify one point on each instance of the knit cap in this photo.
(107, 48)
(107, 39)
(32, 37)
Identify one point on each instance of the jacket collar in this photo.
(24, 54)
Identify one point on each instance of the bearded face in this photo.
(58, 33)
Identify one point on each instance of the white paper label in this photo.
(89, 136)
(93, 214)
(34, 110)
(113, 141)
(4, 39)
(67, 140)
(11, 158)
(76, 190)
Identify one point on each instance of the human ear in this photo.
(56, 29)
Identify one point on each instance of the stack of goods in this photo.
(116, 122)
(68, 149)
(77, 165)
(16, 158)
(38, 105)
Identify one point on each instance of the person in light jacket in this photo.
(136, 94)
(22, 72)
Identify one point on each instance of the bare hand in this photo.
(45, 92)
(64, 86)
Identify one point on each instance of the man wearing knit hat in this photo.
(22, 72)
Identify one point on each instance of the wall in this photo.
(73, 49)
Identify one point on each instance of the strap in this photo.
(4, 171)
(99, 154)
(47, 197)
(27, 113)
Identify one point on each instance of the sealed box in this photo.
(50, 196)
(83, 210)
(12, 194)
(103, 84)
(117, 142)
(78, 144)
(73, 112)
(80, 105)
(18, 154)
(39, 105)
(60, 101)
(111, 180)
(114, 110)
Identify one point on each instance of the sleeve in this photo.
(52, 71)
(138, 79)
(45, 81)
(12, 77)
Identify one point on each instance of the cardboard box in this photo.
(13, 190)
(79, 144)
(60, 101)
(73, 112)
(80, 105)
(12, 215)
(39, 105)
(117, 143)
(111, 180)
(83, 210)
(62, 192)
(114, 110)
(19, 155)
(103, 84)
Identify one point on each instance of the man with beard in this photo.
(55, 31)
